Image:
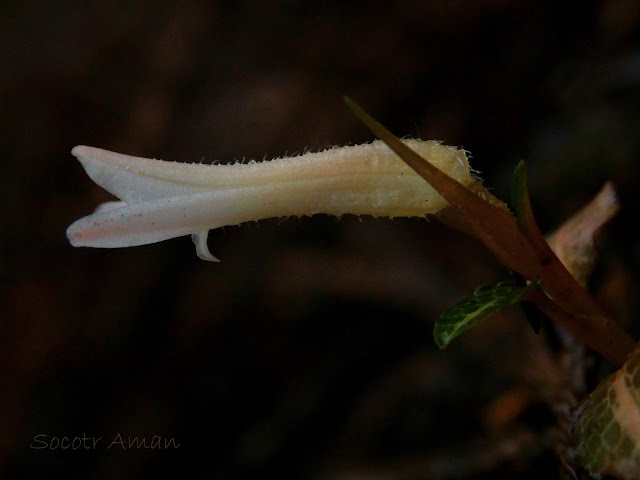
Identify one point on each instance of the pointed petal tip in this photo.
(74, 235)
(87, 232)
(91, 153)
(79, 150)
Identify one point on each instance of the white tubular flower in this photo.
(162, 200)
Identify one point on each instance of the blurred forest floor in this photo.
(307, 353)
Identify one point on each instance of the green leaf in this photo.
(520, 196)
(524, 213)
(468, 312)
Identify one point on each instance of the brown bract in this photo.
(574, 242)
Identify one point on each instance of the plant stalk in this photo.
(522, 249)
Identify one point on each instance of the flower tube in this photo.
(161, 200)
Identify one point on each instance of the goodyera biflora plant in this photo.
(161, 200)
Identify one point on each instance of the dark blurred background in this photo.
(306, 353)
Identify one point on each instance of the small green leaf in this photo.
(468, 312)
(524, 213)
(520, 196)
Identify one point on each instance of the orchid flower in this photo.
(161, 200)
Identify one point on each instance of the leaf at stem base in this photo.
(470, 311)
